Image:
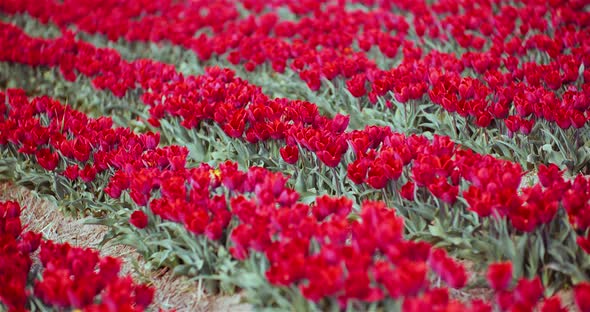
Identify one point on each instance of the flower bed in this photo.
(315, 228)
(489, 77)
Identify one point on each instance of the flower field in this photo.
(351, 155)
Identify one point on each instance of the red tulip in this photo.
(528, 291)
(499, 275)
(144, 295)
(407, 191)
(139, 219)
(71, 172)
(88, 173)
(553, 304)
(290, 154)
(356, 85)
(47, 159)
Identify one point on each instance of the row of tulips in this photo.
(269, 218)
(68, 277)
(243, 111)
(329, 253)
(509, 85)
